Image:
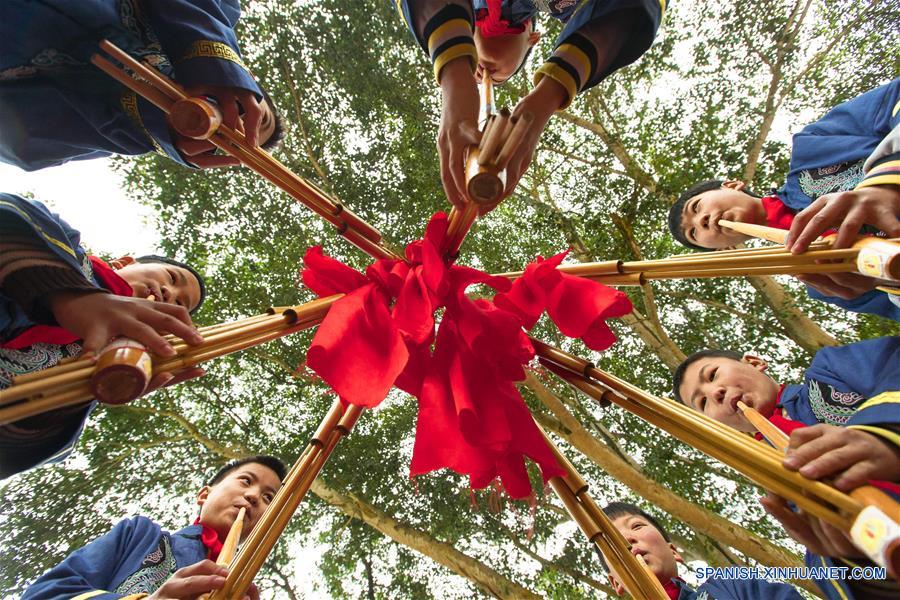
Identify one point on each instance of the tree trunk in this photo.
(798, 326)
(485, 578)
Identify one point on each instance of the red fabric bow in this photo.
(471, 418)
(52, 334)
(211, 540)
(491, 22)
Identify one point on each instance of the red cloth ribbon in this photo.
(672, 589)
(210, 539)
(491, 22)
(778, 214)
(471, 418)
(51, 334)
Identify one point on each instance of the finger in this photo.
(856, 475)
(168, 323)
(159, 380)
(447, 179)
(190, 147)
(146, 335)
(186, 375)
(252, 116)
(803, 435)
(228, 104)
(833, 461)
(190, 587)
(96, 339)
(801, 219)
(204, 567)
(818, 224)
(794, 524)
(828, 285)
(252, 592)
(849, 229)
(799, 456)
(457, 166)
(211, 161)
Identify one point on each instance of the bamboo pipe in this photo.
(58, 369)
(459, 224)
(816, 245)
(195, 118)
(230, 544)
(492, 138)
(771, 234)
(514, 138)
(484, 182)
(77, 395)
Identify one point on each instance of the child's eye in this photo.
(696, 205)
(701, 403)
(693, 233)
(712, 374)
(172, 276)
(268, 498)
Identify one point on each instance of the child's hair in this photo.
(613, 510)
(265, 460)
(678, 208)
(153, 258)
(278, 133)
(678, 377)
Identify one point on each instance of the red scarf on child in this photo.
(492, 24)
(672, 589)
(787, 425)
(210, 540)
(778, 214)
(51, 334)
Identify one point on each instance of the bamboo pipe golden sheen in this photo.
(484, 182)
(164, 93)
(195, 118)
(230, 544)
(772, 234)
(493, 137)
(458, 226)
(514, 138)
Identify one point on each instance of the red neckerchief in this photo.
(210, 540)
(492, 24)
(672, 589)
(777, 213)
(786, 425)
(51, 334)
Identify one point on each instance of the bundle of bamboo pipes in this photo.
(197, 118)
(502, 135)
(77, 381)
(572, 489)
(874, 257)
(871, 519)
(229, 546)
(246, 564)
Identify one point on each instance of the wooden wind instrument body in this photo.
(760, 463)
(876, 529)
(121, 368)
(229, 546)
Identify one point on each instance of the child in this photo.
(137, 557)
(56, 106)
(842, 421)
(52, 294)
(649, 540)
(493, 38)
(828, 160)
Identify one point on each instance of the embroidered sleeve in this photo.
(449, 35)
(571, 65)
(880, 416)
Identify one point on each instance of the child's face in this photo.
(251, 486)
(714, 385)
(647, 541)
(701, 214)
(166, 283)
(500, 56)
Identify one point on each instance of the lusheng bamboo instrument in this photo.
(69, 384)
(747, 262)
(256, 549)
(572, 489)
(198, 118)
(230, 544)
(878, 535)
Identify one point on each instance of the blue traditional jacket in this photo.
(55, 106)
(828, 156)
(135, 558)
(17, 455)
(855, 386)
(737, 589)
(577, 15)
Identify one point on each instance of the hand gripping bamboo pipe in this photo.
(572, 490)
(756, 461)
(200, 119)
(72, 383)
(338, 422)
(865, 529)
(230, 544)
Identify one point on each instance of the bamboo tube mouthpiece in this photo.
(122, 372)
(484, 182)
(195, 118)
(775, 436)
(771, 234)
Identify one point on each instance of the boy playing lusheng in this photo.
(55, 301)
(138, 559)
(56, 106)
(844, 173)
(470, 40)
(649, 540)
(843, 423)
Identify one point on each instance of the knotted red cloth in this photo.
(210, 540)
(491, 22)
(51, 334)
(471, 418)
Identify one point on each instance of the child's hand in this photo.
(195, 580)
(839, 285)
(850, 456)
(161, 380)
(459, 126)
(877, 205)
(97, 318)
(544, 100)
(818, 537)
(232, 102)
